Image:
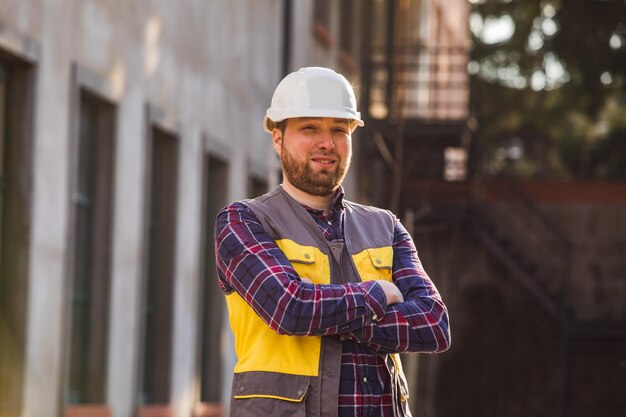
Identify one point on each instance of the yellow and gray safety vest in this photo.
(279, 375)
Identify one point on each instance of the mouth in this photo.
(324, 161)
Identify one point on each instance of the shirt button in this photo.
(330, 374)
(378, 261)
(364, 379)
(374, 317)
(241, 388)
(299, 393)
(330, 223)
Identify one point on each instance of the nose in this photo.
(326, 140)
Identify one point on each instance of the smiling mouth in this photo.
(324, 161)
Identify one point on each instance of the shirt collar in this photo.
(336, 205)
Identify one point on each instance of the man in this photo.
(322, 292)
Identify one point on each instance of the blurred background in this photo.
(495, 129)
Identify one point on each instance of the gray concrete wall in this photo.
(207, 70)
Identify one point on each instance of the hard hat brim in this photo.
(269, 123)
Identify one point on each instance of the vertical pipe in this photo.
(391, 41)
(366, 59)
(565, 332)
(366, 176)
(564, 345)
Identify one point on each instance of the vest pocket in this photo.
(260, 393)
(308, 261)
(374, 263)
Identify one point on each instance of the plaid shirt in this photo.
(251, 263)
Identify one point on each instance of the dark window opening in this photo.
(256, 187)
(161, 224)
(213, 305)
(16, 93)
(91, 261)
(321, 22)
(347, 28)
(92, 207)
(379, 59)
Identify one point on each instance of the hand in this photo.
(392, 292)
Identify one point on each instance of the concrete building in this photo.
(126, 125)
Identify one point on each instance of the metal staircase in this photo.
(538, 255)
(526, 241)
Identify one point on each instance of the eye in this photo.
(340, 129)
(310, 128)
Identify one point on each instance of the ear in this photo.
(353, 126)
(277, 139)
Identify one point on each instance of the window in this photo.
(15, 190)
(348, 27)
(92, 208)
(347, 18)
(213, 304)
(161, 233)
(380, 58)
(321, 21)
(455, 163)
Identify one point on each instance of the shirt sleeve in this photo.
(420, 323)
(250, 263)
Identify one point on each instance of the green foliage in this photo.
(549, 94)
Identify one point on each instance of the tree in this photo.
(547, 84)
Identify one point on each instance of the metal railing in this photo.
(421, 82)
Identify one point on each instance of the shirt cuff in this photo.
(375, 300)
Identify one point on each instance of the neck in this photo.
(314, 201)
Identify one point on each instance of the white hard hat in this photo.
(312, 92)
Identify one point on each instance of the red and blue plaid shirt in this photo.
(251, 263)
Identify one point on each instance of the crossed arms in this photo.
(406, 316)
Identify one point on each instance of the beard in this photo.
(301, 175)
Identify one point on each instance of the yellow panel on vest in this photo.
(374, 263)
(258, 347)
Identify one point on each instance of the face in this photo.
(315, 153)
